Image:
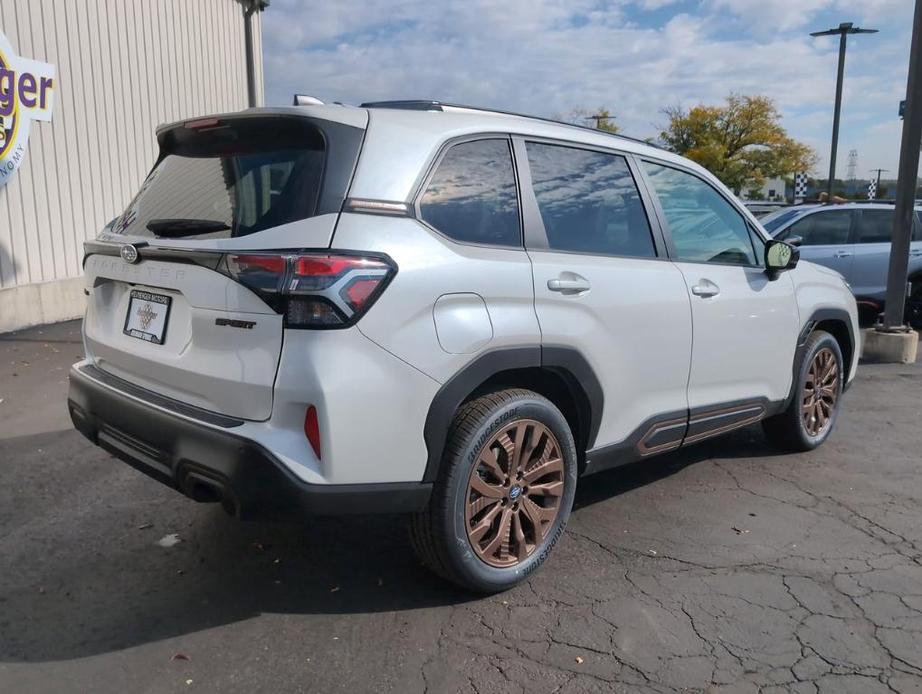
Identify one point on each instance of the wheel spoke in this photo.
(478, 505)
(484, 524)
(488, 490)
(546, 489)
(489, 461)
(543, 469)
(502, 534)
(519, 535)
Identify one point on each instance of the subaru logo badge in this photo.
(129, 253)
(515, 493)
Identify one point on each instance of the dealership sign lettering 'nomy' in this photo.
(26, 94)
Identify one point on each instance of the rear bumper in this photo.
(208, 461)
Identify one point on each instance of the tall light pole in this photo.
(843, 30)
(906, 183)
(251, 7)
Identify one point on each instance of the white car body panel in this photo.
(639, 350)
(745, 336)
(194, 364)
(401, 321)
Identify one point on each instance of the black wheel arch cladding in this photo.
(565, 362)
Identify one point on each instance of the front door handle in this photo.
(705, 289)
(915, 251)
(569, 283)
(842, 254)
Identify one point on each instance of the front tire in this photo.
(814, 409)
(504, 493)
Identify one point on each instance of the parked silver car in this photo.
(853, 239)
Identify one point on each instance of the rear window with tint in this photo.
(875, 226)
(589, 202)
(472, 195)
(228, 180)
(823, 228)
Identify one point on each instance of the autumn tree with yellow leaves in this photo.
(741, 142)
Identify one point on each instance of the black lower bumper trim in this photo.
(209, 464)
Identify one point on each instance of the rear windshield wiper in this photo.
(174, 228)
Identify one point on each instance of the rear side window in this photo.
(875, 226)
(589, 202)
(827, 228)
(230, 179)
(472, 195)
(704, 227)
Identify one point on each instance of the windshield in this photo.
(776, 220)
(230, 179)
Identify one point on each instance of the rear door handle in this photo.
(705, 289)
(842, 254)
(915, 251)
(569, 283)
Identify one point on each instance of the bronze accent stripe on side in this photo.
(662, 437)
(721, 420)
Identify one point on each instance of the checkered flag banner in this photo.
(800, 186)
(872, 190)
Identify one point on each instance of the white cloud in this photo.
(548, 56)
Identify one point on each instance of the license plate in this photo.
(147, 316)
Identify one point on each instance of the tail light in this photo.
(313, 290)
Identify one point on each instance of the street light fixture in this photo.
(843, 30)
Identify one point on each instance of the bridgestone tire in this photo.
(788, 430)
(440, 534)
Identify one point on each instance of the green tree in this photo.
(601, 118)
(741, 142)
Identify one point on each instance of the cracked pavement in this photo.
(726, 567)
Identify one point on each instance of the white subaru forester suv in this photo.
(444, 311)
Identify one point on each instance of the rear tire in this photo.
(503, 495)
(812, 413)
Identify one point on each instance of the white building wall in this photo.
(123, 68)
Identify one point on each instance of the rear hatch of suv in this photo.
(182, 284)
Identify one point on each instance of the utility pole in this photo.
(843, 30)
(906, 184)
(251, 7)
(598, 118)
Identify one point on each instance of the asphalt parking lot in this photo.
(726, 567)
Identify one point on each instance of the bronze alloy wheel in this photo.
(514, 493)
(821, 391)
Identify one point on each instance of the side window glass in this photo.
(589, 202)
(917, 227)
(704, 226)
(875, 226)
(827, 228)
(472, 195)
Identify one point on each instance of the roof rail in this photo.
(432, 105)
(406, 104)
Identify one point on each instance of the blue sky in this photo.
(632, 56)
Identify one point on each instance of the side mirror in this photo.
(780, 256)
(794, 240)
